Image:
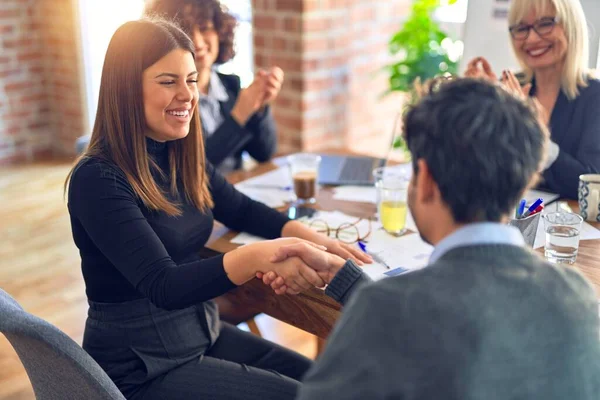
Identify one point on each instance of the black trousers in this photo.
(157, 354)
(240, 365)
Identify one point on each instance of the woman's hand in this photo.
(276, 283)
(325, 264)
(249, 100)
(296, 275)
(273, 81)
(479, 67)
(512, 84)
(343, 250)
(243, 263)
(261, 92)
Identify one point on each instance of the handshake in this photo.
(291, 265)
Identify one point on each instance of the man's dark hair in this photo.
(483, 146)
(198, 13)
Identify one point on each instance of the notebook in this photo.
(532, 195)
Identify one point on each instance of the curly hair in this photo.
(190, 14)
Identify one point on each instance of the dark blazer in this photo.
(575, 128)
(258, 137)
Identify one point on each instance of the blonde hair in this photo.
(572, 18)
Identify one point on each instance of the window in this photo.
(243, 63)
(455, 13)
(98, 21)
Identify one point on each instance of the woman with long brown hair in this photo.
(142, 202)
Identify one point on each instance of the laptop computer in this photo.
(348, 170)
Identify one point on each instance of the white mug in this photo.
(589, 197)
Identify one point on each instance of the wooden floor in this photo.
(40, 266)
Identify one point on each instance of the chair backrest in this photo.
(57, 366)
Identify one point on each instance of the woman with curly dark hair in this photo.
(234, 120)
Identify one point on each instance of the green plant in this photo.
(422, 51)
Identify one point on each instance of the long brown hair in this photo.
(119, 130)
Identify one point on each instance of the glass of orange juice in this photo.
(392, 187)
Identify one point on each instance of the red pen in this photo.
(537, 210)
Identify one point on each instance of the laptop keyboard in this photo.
(357, 169)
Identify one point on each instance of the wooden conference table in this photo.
(315, 312)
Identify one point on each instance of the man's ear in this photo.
(426, 188)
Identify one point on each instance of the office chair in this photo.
(58, 368)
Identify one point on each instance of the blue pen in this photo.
(520, 209)
(262, 186)
(374, 256)
(532, 208)
(362, 246)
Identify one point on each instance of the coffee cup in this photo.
(589, 197)
(304, 173)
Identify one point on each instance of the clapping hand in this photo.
(511, 83)
(273, 79)
(479, 67)
(249, 101)
(261, 92)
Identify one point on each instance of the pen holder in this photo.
(528, 227)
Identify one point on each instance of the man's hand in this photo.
(296, 275)
(292, 271)
(325, 264)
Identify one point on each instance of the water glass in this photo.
(563, 230)
(304, 171)
(391, 186)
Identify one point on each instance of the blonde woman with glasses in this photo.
(550, 40)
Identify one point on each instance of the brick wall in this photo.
(40, 96)
(331, 52)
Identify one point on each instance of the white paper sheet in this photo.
(404, 254)
(409, 252)
(246, 238)
(279, 177)
(588, 232)
(333, 219)
(363, 194)
(532, 195)
(271, 197)
(272, 188)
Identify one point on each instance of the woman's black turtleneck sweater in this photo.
(129, 252)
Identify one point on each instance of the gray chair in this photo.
(57, 366)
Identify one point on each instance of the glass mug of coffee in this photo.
(304, 171)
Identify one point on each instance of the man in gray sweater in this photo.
(487, 318)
